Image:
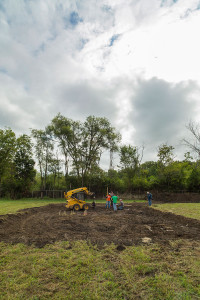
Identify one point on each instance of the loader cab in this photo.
(80, 196)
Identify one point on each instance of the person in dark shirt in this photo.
(149, 197)
(93, 204)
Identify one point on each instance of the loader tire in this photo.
(85, 207)
(76, 207)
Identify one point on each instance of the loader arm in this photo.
(70, 193)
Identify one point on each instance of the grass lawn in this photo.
(190, 210)
(82, 271)
(12, 206)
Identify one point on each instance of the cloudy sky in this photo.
(135, 62)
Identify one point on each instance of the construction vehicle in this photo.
(76, 198)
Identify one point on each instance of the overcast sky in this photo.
(135, 62)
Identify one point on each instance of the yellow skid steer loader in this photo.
(76, 198)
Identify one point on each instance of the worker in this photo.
(149, 197)
(108, 199)
(121, 205)
(114, 198)
(93, 204)
(111, 200)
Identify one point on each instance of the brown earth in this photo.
(136, 224)
(176, 197)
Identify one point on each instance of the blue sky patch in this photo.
(113, 39)
(74, 18)
(40, 49)
(198, 6)
(2, 6)
(3, 70)
(82, 43)
(107, 8)
(163, 2)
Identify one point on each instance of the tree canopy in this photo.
(66, 154)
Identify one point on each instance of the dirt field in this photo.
(136, 224)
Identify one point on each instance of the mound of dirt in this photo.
(136, 224)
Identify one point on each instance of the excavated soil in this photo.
(136, 224)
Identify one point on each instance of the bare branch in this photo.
(194, 128)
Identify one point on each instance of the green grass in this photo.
(82, 271)
(12, 206)
(190, 210)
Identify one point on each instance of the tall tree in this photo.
(24, 164)
(61, 129)
(129, 157)
(43, 152)
(98, 134)
(7, 150)
(129, 160)
(165, 154)
(114, 139)
(54, 168)
(166, 158)
(83, 142)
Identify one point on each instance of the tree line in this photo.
(67, 154)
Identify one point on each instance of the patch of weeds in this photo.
(146, 270)
(108, 275)
(161, 286)
(82, 271)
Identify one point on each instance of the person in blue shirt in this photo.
(149, 197)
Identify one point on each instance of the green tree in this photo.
(193, 181)
(61, 128)
(24, 165)
(165, 159)
(54, 169)
(149, 172)
(43, 151)
(7, 150)
(173, 176)
(129, 157)
(129, 161)
(98, 134)
(83, 142)
(165, 155)
(188, 157)
(151, 167)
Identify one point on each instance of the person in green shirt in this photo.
(114, 198)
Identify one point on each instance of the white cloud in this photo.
(105, 58)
